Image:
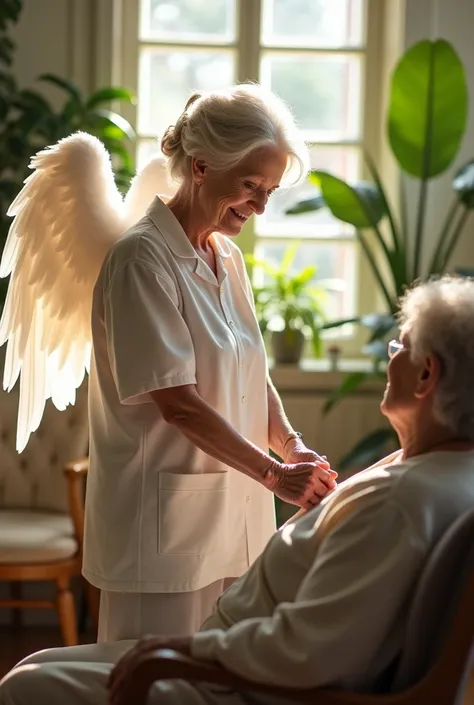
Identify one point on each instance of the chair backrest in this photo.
(440, 594)
(34, 479)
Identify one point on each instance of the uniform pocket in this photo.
(192, 512)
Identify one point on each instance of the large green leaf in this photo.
(108, 125)
(428, 108)
(68, 86)
(111, 93)
(360, 205)
(308, 205)
(463, 184)
(28, 100)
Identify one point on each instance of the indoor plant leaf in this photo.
(62, 83)
(288, 257)
(111, 93)
(349, 384)
(308, 205)
(370, 449)
(360, 205)
(463, 184)
(428, 108)
(378, 324)
(256, 262)
(300, 280)
(102, 118)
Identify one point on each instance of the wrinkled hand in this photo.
(122, 672)
(304, 484)
(297, 452)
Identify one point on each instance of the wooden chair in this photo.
(432, 668)
(41, 508)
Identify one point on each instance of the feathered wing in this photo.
(66, 217)
(151, 180)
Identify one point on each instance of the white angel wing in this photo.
(152, 179)
(66, 218)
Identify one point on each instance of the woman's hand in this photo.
(295, 451)
(304, 484)
(123, 669)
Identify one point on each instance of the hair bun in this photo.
(172, 140)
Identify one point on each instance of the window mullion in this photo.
(248, 18)
(128, 68)
(248, 62)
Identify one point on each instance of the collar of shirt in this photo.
(179, 243)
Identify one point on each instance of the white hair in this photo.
(438, 317)
(224, 127)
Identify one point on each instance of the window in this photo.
(313, 53)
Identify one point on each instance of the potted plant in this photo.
(426, 122)
(289, 307)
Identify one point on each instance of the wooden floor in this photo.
(16, 643)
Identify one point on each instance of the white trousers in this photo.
(131, 615)
(77, 675)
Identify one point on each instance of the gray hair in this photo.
(438, 316)
(224, 127)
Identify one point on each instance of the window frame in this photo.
(124, 43)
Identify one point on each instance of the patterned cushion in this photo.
(35, 537)
(34, 479)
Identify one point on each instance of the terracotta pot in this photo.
(287, 346)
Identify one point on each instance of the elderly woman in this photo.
(338, 571)
(179, 496)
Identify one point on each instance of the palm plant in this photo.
(426, 122)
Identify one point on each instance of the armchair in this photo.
(41, 507)
(432, 668)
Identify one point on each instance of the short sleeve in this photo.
(149, 344)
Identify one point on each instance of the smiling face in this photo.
(228, 198)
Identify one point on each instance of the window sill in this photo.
(317, 376)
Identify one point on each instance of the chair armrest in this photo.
(75, 472)
(166, 664)
(77, 467)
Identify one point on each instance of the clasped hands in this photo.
(304, 478)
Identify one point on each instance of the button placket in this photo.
(231, 325)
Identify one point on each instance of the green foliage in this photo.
(290, 300)
(29, 122)
(426, 122)
(370, 449)
(427, 114)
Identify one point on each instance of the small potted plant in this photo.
(289, 308)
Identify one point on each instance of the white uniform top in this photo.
(326, 602)
(161, 515)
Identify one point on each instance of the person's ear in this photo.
(428, 377)
(199, 168)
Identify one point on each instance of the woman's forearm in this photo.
(279, 428)
(209, 431)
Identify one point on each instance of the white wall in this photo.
(62, 37)
(452, 20)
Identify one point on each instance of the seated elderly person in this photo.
(326, 602)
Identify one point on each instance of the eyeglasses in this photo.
(394, 346)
